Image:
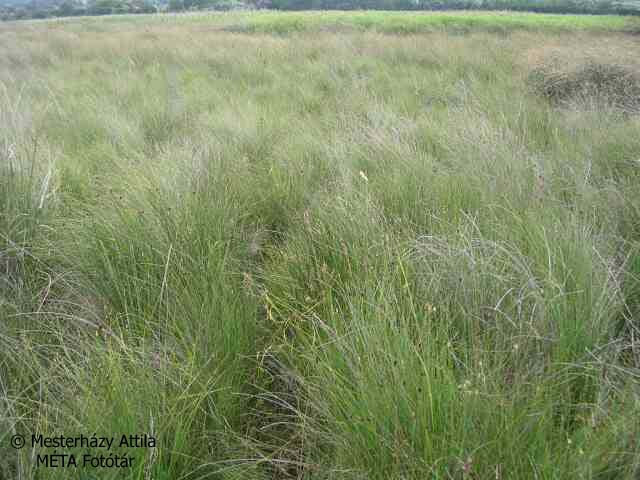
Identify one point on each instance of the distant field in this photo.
(305, 246)
(376, 21)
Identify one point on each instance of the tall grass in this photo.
(324, 255)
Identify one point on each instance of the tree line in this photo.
(19, 9)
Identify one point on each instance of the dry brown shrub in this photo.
(587, 72)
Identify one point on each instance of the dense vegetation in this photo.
(323, 254)
(23, 9)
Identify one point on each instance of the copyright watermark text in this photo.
(99, 451)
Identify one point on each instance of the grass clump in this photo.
(605, 85)
(598, 77)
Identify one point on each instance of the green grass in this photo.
(392, 22)
(406, 23)
(323, 254)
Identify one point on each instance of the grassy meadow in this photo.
(323, 245)
(392, 22)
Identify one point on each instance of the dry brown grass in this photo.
(588, 72)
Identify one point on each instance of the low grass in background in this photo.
(394, 22)
(321, 255)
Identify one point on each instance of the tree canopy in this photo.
(21, 9)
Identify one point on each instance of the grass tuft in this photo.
(595, 84)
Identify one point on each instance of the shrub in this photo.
(595, 83)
